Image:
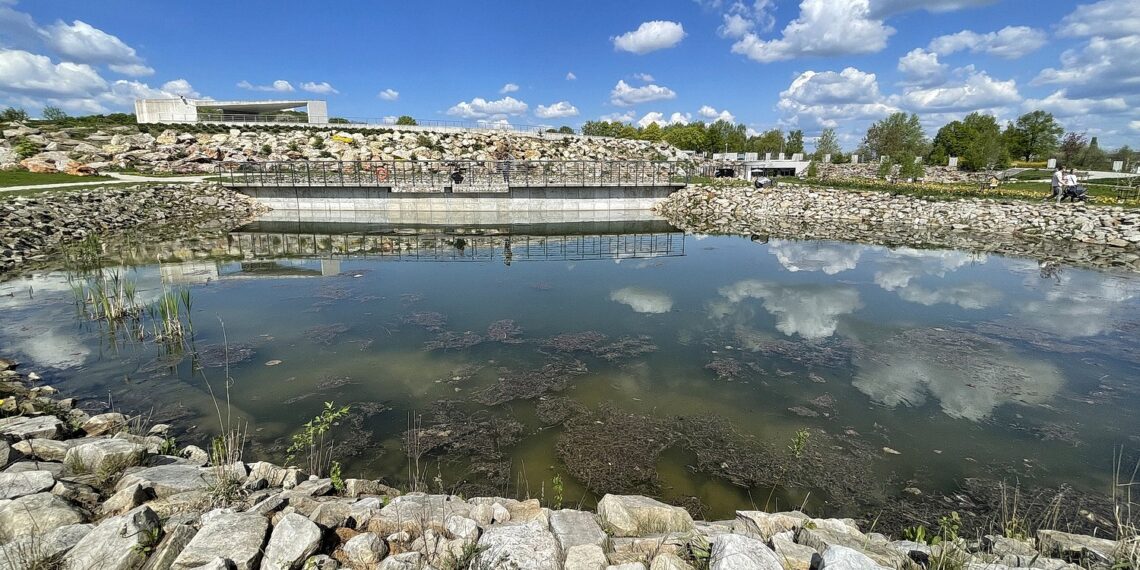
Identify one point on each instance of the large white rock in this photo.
(519, 545)
(234, 536)
(1075, 546)
(36, 514)
(365, 550)
(177, 537)
(101, 424)
(24, 427)
(105, 455)
(43, 449)
(14, 485)
(764, 525)
(634, 515)
(585, 557)
(403, 561)
(739, 552)
(837, 557)
(27, 551)
(118, 543)
(821, 537)
(168, 480)
(294, 539)
(573, 528)
(669, 561)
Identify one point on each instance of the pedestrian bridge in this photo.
(458, 185)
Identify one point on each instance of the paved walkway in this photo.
(118, 178)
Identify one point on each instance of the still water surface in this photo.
(906, 367)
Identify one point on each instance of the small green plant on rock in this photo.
(557, 488)
(336, 476)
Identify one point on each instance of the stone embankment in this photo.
(69, 150)
(109, 492)
(31, 228)
(1078, 234)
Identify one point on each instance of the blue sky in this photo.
(806, 64)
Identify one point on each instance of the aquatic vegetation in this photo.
(530, 384)
(448, 340)
(429, 320)
(505, 331)
(556, 410)
(332, 382)
(325, 334)
(584, 341)
(625, 347)
(799, 443)
(590, 442)
(220, 355)
(726, 368)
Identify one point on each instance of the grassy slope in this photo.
(23, 178)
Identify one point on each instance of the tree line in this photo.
(978, 141)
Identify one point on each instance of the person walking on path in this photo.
(1058, 183)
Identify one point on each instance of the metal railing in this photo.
(348, 122)
(457, 175)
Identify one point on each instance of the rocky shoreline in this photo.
(110, 492)
(33, 228)
(1081, 235)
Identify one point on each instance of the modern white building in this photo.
(748, 165)
(183, 110)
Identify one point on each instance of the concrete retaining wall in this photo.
(514, 200)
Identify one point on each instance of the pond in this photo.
(715, 372)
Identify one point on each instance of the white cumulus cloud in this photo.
(570, 76)
(884, 8)
(556, 110)
(1106, 19)
(712, 114)
(643, 77)
(508, 88)
(830, 98)
(977, 91)
(657, 117)
(480, 108)
(823, 28)
(82, 43)
(1010, 42)
(921, 67)
(807, 311)
(388, 94)
(624, 95)
(830, 258)
(322, 87)
(35, 75)
(279, 86)
(650, 36)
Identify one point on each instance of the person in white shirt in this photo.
(1058, 183)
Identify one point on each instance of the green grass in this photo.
(24, 178)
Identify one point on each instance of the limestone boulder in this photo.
(15, 485)
(168, 480)
(573, 528)
(836, 557)
(35, 514)
(238, 537)
(585, 557)
(519, 545)
(105, 455)
(739, 552)
(30, 551)
(365, 550)
(821, 537)
(43, 449)
(669, 561)
(635, 515)
(1076, 547)
(417, 512)
(30, 427)
(109, 423)
(764, 525)
(294, 539)
(176, 538)
(118, 543)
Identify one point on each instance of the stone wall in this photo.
(1077, 234)
(33, 227)
(107, 491)
(184, 152)
(939, 174)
